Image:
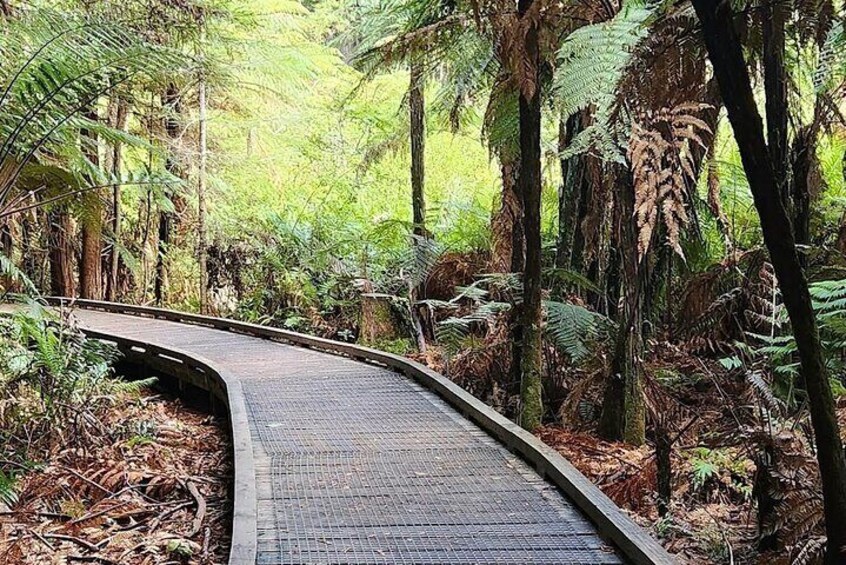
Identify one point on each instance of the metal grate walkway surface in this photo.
(358, 464)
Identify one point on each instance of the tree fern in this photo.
(591, 63)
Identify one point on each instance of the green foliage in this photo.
(49, 374)
(56, 65)
(8, 490)
(592, 61)
(720, 469)
(780, 352)
(572, 328)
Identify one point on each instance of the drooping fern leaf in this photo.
(572, 327)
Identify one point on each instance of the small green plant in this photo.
(714, 470)
(8, 490)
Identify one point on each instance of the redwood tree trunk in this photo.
(726, 54)
(90, 267)
(531, 401)
(120, 117)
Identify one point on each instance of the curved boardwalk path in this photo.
(356, 463)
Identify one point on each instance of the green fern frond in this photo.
(572, 327)
(591, 64)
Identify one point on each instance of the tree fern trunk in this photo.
(775, 93)
(726, 54)
(623, 415)
(531, 401)
(507, 219)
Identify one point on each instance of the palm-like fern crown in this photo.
(54, 68)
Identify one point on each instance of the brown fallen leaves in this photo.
(153, 489)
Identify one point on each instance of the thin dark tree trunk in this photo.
(726, 54)
(60, 243)
(571, 194)
(418, 148)
(417, 117)
(170, 104)
(531, 401)
(775, 93)
(120, 117)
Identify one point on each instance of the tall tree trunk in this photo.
(573, 197)
(531, 401)
(418, 148)
(91, 267)
(775, 93)
(623, 414)
(202, 243)
(60, 243)
(171, 106)
(726, 54)
(507, 219)
(121, 112)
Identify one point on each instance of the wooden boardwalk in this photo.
(355, 463)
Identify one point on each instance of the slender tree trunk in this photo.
(623, 410)
(170, 104)
(775, 92)
(91, 268)
(60, 243)
(202, 243)
(531, 401)
(726, 54)
(507, 219)
(418, 148)
(573, 198)
(120, 118)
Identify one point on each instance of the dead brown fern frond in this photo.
(664, 169)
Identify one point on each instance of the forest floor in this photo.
(153, 487)
(694, 531)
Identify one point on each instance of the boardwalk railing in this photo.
(633, 541)
(224, 390)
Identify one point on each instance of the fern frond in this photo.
(572, 327)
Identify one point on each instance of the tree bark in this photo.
(120, 118)
(775, 93)
(418, 148)
(531, 401)
(170, 103)
(60, 242)
(507, 219)
(202, 242)
(726, 54)
(623, 416)
(574, 198)
(90, 267)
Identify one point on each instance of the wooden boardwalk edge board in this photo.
(632, 540)
(227, 388)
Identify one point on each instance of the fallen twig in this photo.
(201, 509)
